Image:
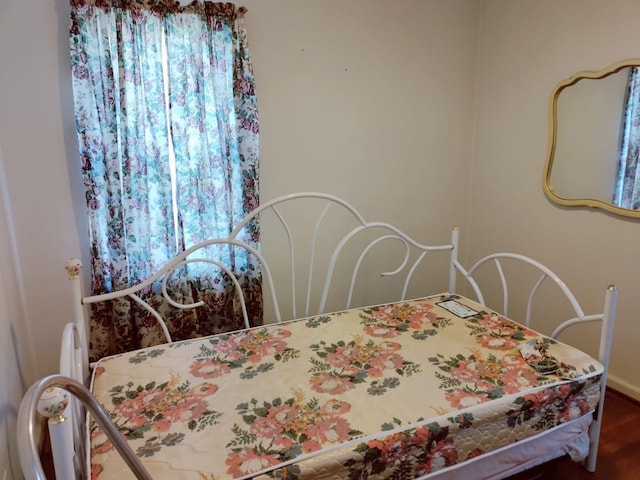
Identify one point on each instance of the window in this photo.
(166, 117)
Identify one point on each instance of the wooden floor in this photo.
(618, 456)
(619, 452)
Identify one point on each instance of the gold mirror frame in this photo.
(553, 131)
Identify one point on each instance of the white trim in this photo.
(622, 386)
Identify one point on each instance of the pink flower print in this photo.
(266, 427)
(540, 398)
(578, 406)
(349, 351)
(332, 429)
(498, 325)
(491, 322)
(384, 314)
(96, 470)
(243, 85)
(247, 461)
(327, 383)
(476, 452)
(284, 414)
(131, 407)
(381, 331)
(459, 398)
(261, 345)
(442, 455)
(336, 407)
(208, 368)
(564, 390)
(138, 420)
(496, 343)
(280, 333)
(393, 449)
(506, 330)
(484, 385)
(517, 379)
(468, 370)
(511, 360)
(385, 361)
(570, 413)
(204, 389)
(422, 315)
(375, 372)
(197, 408)
(229, 348)
(420, 436)
(281, 441)
(185, 410)
(150, 398)
(346, 358)
(162, 425)
(338, 358)
(311, 446)
(394, 316)
(100, 443)
(267, 348)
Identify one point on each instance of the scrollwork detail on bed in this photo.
(320, 266)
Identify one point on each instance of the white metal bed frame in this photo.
(414, 255)
(68, 437)
(383, 232)
(606, 317)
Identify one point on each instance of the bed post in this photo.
(52, 404)
(606, 336)
(74, 268)
(455, 233)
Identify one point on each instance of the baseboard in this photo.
(623, 387)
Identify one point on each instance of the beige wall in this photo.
(16, 354)
(36, 136)
(37, 225)
(526, 47)
(368, 102)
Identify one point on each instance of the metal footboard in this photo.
(27, 427)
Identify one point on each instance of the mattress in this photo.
(400, 390)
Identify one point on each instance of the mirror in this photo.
(586, 120)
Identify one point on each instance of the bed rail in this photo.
(81, 326)
(606, 316)
(162, 275)
(606, 337)
(54, 405)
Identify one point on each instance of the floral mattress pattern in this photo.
(393, 391)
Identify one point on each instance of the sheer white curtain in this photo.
(627, 192)
(154, 81)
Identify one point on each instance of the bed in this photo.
(439, 385)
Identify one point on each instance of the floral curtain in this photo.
(167, 126)
(627, 191)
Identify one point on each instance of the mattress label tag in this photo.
(457, 308)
